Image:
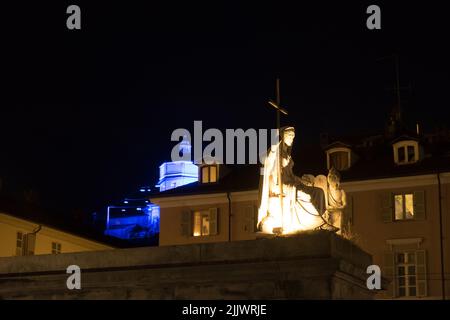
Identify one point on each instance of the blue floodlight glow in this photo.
(144, 221)
(133, 225)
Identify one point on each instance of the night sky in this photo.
(86, 116)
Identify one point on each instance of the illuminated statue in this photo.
(296, 204)
(337, 199)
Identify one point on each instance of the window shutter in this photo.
(213, 221)
(30, 240)
(386, 206)
(388, 272)
(249, 219)
(347, 219)
(421, 269)
(419, 205)
(186, 223)
(19, 244)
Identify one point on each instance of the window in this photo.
(411, 154)
(25, 243)
(404, 206)
(401, 155)
(56, 248)
(406, 152)
(408, 270)
(199, 223)
(411, 273)
(209, 174)
(406, 274)
(19, 243)
(339, 160)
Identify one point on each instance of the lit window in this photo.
(56, 248)
(404, 206)
(205, 174)
(201, 223)
(406, 274)
(209, 174)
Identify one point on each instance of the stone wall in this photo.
(315, 265)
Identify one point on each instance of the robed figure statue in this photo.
(289, 203)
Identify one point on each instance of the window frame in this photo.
(404, 216)
(56, 247)
(406, 265)
(202, 214)
(21, 239)
(336, 150)
(406, 146)
(188, 222)
(208, 168)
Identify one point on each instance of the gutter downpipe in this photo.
(229, 216)
(441, 238)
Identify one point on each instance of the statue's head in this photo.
(334, 177)
(288, 135)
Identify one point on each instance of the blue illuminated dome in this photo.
(177, 173)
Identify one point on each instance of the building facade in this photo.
(398, 199)
(21, 237)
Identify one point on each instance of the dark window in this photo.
(339, 160)
(411, 154)
(406, 274)
(56, 248)
(401, 155)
